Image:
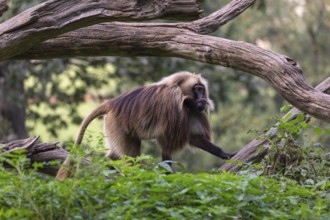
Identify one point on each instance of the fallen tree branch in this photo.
(257, 149)
(37, 152)
(26, 144)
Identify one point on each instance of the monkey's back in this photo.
(154, 111)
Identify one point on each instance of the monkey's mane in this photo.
(153, 107)
(179, 78)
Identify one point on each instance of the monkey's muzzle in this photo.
(201, 105)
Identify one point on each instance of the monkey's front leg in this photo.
(166, 157)
(204, 144)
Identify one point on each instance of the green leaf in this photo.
(286, 108)
(327, 130)
(318, 130)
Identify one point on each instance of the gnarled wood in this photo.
(256, 150)
(183, 40)
(37, 152)
(50, 19)
(281, 72)
(55, 17)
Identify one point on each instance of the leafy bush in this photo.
(293, 155)
(141, 189)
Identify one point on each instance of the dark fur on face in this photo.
(173, 111)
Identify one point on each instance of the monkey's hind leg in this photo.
(123, 145)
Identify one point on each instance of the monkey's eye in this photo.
(199, 89)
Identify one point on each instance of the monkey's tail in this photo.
(68, 164)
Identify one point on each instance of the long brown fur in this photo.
(156, 111)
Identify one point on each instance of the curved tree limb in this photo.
(176, 39)
(281, 72)
(256, 150)
(220, 17)
(51, 19)
(55, 17)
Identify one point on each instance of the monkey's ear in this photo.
(180, 82)
(184, 99)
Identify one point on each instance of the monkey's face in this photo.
(197, 101)
(200, 97)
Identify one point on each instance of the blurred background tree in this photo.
(50, 97)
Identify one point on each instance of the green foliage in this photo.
(64, 85)
(141, 189)
(292, 154)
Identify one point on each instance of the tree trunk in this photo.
(12, 99)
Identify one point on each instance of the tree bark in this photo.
(3, 7)
(281, 72)
(35, 25)
(21, 37)
(37, 152)
(55, 17)
(12, 111)
(257, 149)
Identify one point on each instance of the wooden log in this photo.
(37, 152)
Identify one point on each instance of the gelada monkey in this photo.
(173, 111)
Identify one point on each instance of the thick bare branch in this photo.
(52, 18)
(178, 40)
(227, 13)
(122, 39)
(256, 150)
(56, 17)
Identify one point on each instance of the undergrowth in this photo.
(291, 153)
(292, 182)
(112, 190)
